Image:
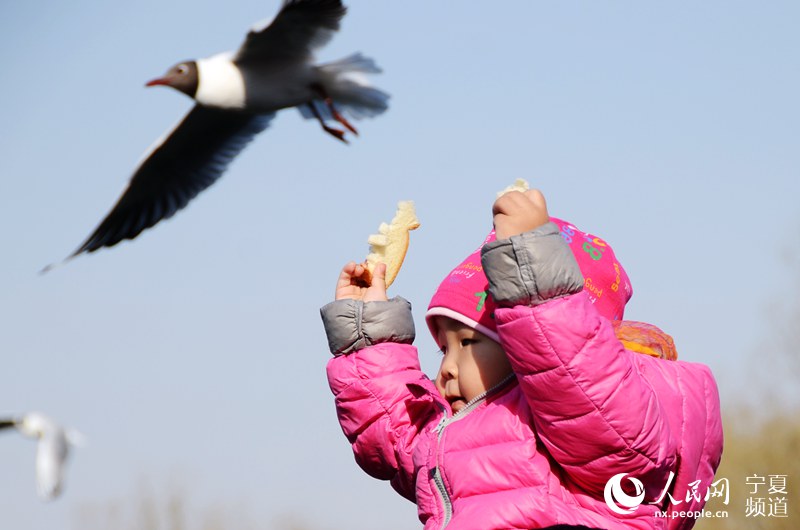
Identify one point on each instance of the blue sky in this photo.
(193, 358)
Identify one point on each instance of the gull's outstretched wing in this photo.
(300, 27)
(190, 159)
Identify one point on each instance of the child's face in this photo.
(472, 363)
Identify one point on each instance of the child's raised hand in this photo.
(517, 212)
(352, 286)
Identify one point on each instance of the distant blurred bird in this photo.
(237, 95)
(51, 452)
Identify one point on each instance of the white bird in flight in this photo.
(52, 449)
(236, 96)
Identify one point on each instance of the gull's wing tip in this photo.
(58, 264)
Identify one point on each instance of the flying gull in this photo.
(52, 449)
(236, 96)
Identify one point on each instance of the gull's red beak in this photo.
(156, 82)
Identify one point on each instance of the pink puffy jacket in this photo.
(539, 448)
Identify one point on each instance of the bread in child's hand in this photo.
(390, 244)
(520, 185)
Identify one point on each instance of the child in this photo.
(537, 406)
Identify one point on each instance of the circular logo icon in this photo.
(617, 500)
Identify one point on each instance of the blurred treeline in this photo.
(175, 509)
(755, 445)
(762, 429)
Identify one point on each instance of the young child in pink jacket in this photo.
(539, 415)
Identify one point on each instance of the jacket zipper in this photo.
(443, 423)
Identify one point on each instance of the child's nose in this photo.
(449, 369)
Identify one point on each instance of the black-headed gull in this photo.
(52, 449)
(237, 95)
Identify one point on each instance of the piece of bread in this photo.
(390, 244)
(520, 185)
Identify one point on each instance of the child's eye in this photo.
(467, 342)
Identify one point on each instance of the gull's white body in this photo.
(221, 83)
(52, 450)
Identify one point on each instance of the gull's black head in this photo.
(183, 77)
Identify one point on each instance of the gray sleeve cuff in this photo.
(531, 268)
(352, 324)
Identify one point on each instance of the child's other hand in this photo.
(517, 212)
(352, 286)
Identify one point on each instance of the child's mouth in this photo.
(457, 404)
